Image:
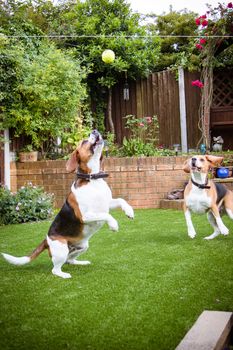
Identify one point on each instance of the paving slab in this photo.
(209, 332)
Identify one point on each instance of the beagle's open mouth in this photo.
(195, 168)
(96, 139)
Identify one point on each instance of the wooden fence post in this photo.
(183, 125)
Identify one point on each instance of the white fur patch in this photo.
(198, 201)
(15, 260)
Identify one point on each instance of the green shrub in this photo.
(30, 203)
(135, 147)
(143, 136)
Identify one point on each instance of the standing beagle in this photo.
(85, 211)
(203, 195)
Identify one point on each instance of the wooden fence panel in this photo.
(159, 95)
(121, 108)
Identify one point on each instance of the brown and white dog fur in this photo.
(203, 195)
(84, 212)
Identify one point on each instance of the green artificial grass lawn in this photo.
(145, 288)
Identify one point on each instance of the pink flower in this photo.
(141, 124)
(204, 23)
(149, 120)
(230, 5)
(199, 47)
(198, 22)
(197, 83)
(204, 17)
(202, 41)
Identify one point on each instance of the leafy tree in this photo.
(41, 87)
(48, 97)
(93, 26)
(216, 31)
(90, 27)
(19, 39)
(176, 29)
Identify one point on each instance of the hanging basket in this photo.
(28, 157)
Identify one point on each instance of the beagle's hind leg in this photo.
(75, 252)
(213, 223)
(59, 252)
(228, 202)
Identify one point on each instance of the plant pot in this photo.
(28, 156)
(222, 173)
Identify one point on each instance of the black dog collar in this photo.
(202, 186)
(89, 177)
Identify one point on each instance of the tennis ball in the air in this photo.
(108, 56)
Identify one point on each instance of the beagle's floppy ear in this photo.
(214, 161)
(72, 163)
(186, 166)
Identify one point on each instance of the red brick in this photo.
(164, 167)
(49, 171)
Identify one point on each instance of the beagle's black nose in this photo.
(95, 132)
(194, 161)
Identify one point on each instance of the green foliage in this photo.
(40, 91)
(77, 132)
(145, 128)
(217, 49)
(11, 61)
(27, 148)
(47, 97)
(136, 147)
(30, 203)
(143, 136)
(177, 47)
(108, 24)
(99, 25)
(111, 148)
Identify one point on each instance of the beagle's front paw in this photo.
(191, 234)
(128, 210)
(113, 224)
(224, 230)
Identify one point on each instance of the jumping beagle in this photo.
(85, 211)
(203, 195)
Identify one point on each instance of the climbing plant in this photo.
(216, 36)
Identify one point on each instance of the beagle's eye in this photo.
(202, 160)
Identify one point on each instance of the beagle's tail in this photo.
(23, 260)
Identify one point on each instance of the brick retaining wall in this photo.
(143, 182)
